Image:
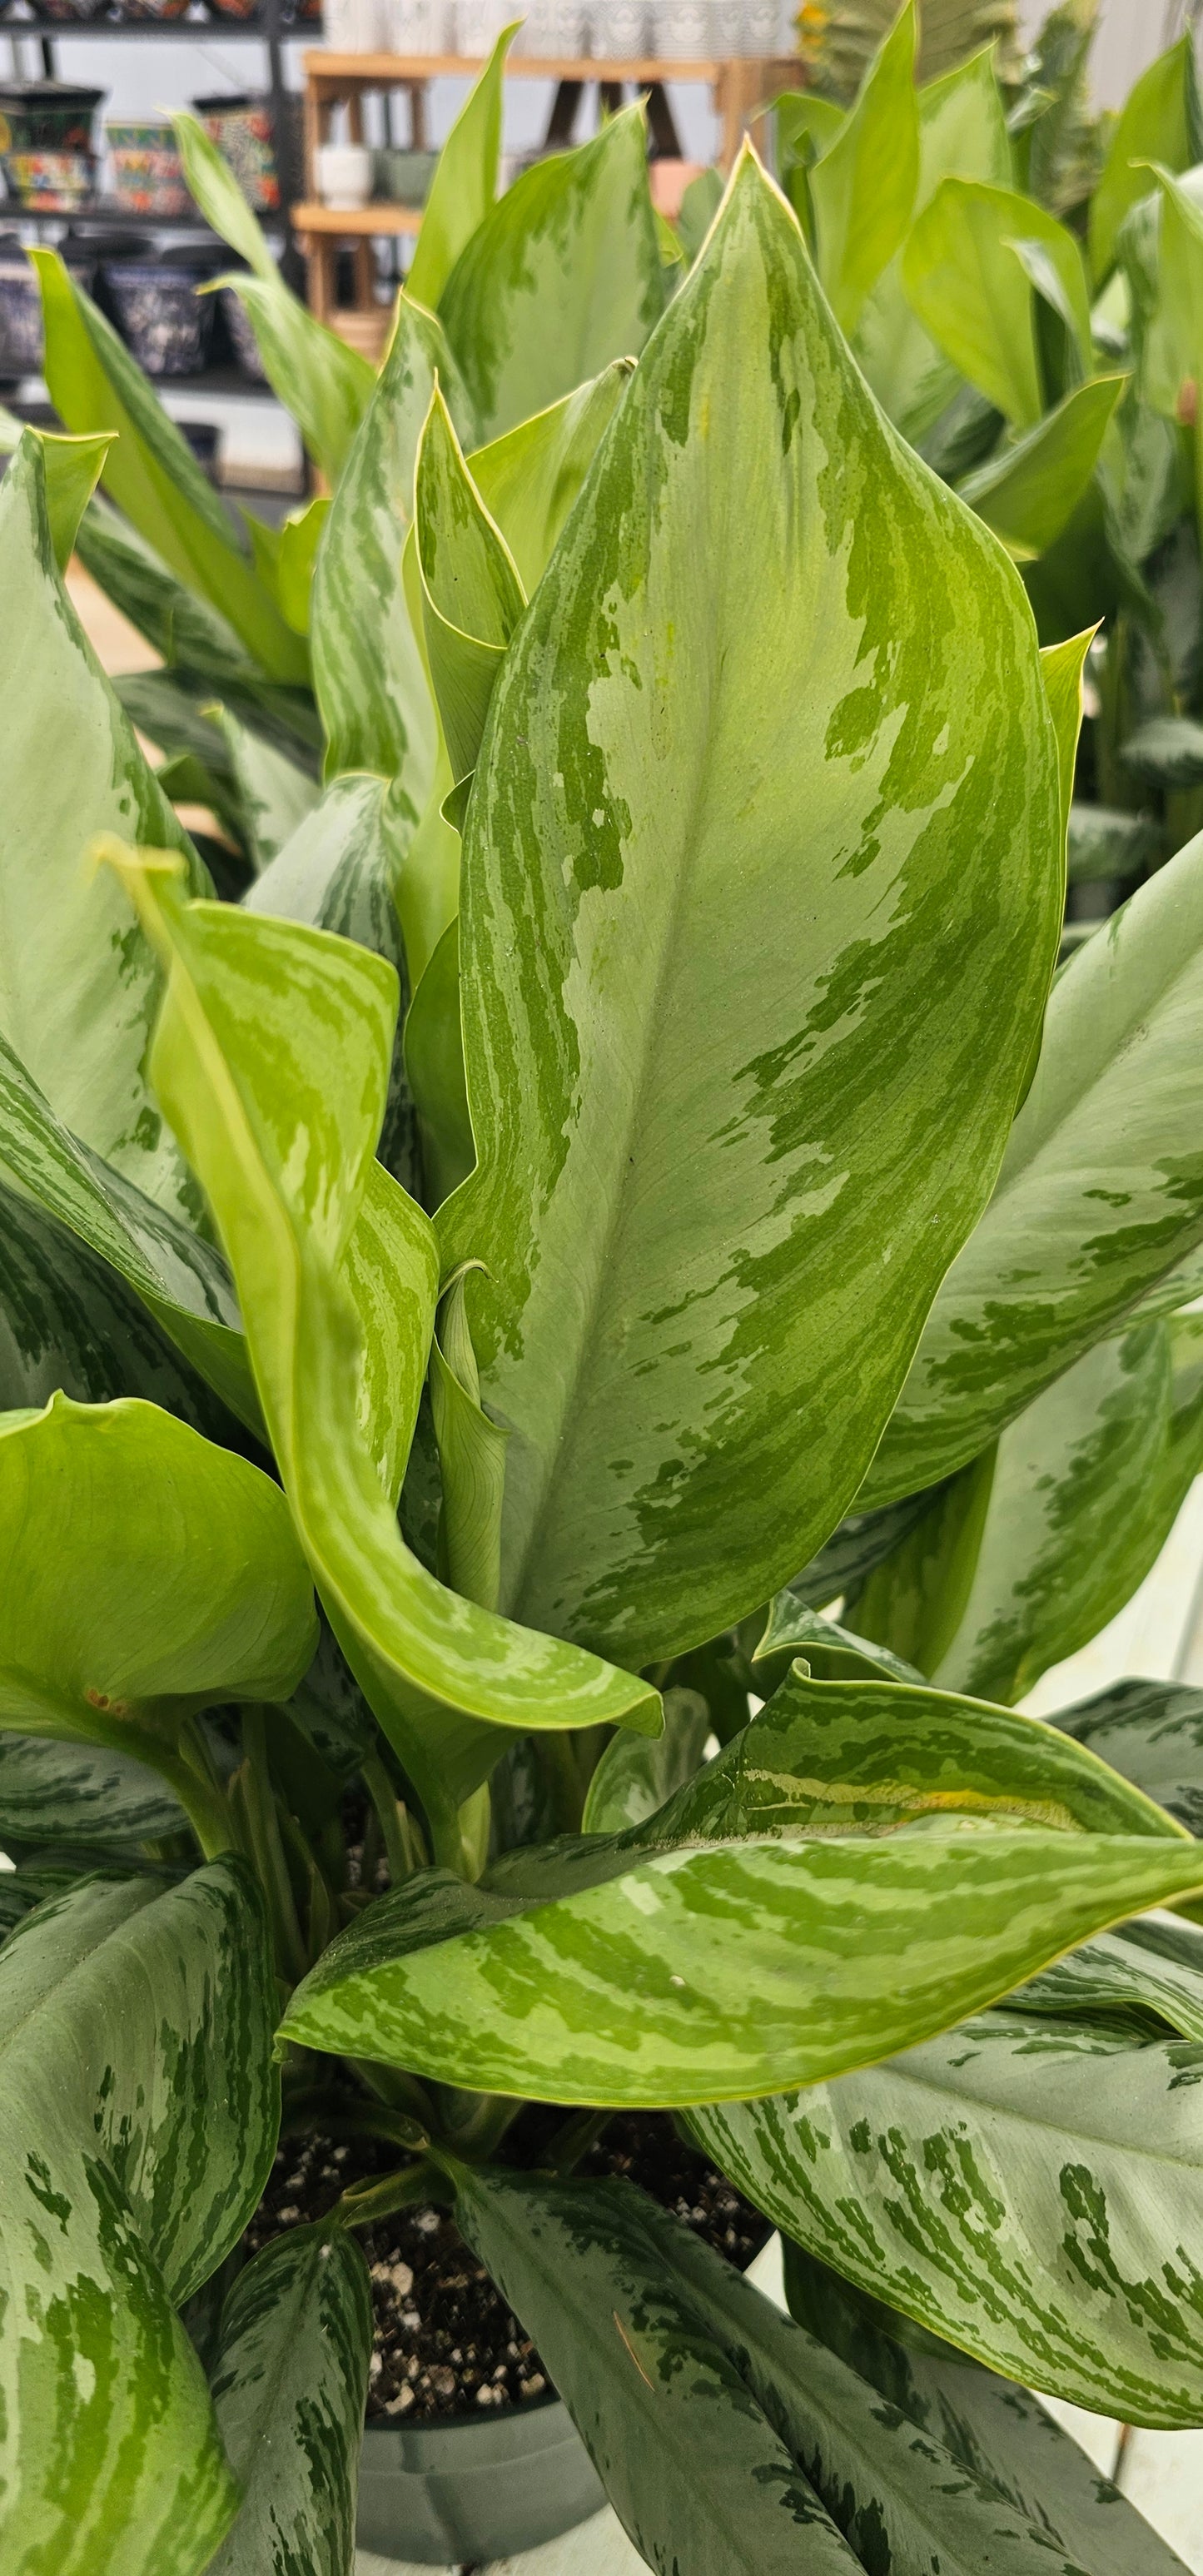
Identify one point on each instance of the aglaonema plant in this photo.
(632, 1439)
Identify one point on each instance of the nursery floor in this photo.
(1158, 1636)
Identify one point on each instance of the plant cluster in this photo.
(582, 1315)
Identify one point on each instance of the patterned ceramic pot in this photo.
(50, 183)
(159, 313)
(46, 116)
(148, 177)
(241, 127)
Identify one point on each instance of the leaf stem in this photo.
(292, 1960)
(364, 2202)
(384, 1799)
(575, 2139)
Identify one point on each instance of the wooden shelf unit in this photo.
(741, 87)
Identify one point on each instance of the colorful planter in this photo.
(147, 174)
(50, 183)
(241, 127)
(46, 116)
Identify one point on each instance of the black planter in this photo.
(476, 2488)
(158, 311)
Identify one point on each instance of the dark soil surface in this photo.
(445, 2342)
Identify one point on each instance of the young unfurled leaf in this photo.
(434, 1063)
(472, 597)
(272, 1032)
(851, 1869)
(149, 1574)
(465, 182)
(1100, 1193)
(140, 2117)
(770, 1306)
(1030, 2186)
(831, 1652)
(562, 276)
(289, 2383)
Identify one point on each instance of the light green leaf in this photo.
(990, 2426)
(150, 1574)
(188, 631)
(289, 2384)
(1087, 1486)
(1166, 752)
(72, 1793)
(863, 187)
(530, 479)
(562, 277)
(151, 472)
(1058, 274)
(367, 668)
(471, 1458)
(140, 2123)
(700, 204)
(434, 1064)
(299, 537)
(599, 893)
(1029, 2186)
(324, 383)
(180, 1277)
(270, 1030)
(1152, 1733)
(219, 196)
(634, 1778)
(72, 468)
(465, 181)
(1027, 492)
(1173, 340)
(77, 993)
(1100, 1193)
(973, 294)
(862, 1863)
(1154, 124)
(472, 597)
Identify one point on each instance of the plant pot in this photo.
(241, 335)
(68, 12)
(158, 312)
(21, 304)
(241, 128)
(50, 183)
(46, 116)
(475, 2488)
(141, 11)
(148, 175)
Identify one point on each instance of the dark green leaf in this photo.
(73, 1793)
(289, 2384)
(1152, 1732)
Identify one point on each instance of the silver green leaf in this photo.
(79, 1794)
(1100, 1193)
(561, 277)
(141, 2110)
(671, 1361)
(289, 2384)
(1151, 1732)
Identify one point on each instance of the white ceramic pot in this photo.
(620, 30)
(355, 26)
(416, 26)
(762, 27)
(685, 30)
(478, 25)
(343, 174)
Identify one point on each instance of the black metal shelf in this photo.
(153, 30)
(119, 219)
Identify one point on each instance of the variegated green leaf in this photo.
(79, 1794)
(1029, 2186)
(472, 597)
(140, 2122)
(773, 1304)
(634, 1779)
(177, 1274)
(1152, 1732)
(151, 472)
(342, 870)
(561, 277)
(434, 1063)
(814, 1894)
(367, 669)
(148, 1574)
(324, 383)
(989, 2425)
(721, 2428)
(289, 2383)
(274, 795)
(830, 1652)
(77, 992)
(1099, 1196)
(271, 1031)
(1087, 1486)
(530, 478)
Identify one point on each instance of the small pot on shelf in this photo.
(240, 124)
(147, 173)
(158, 311)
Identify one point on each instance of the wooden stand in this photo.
(741, 89)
